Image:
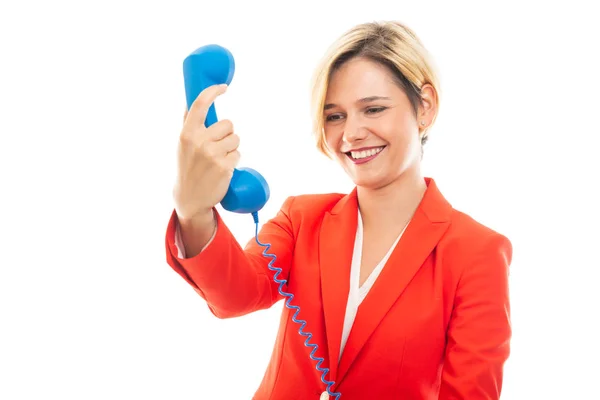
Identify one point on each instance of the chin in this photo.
(371, 181)
(375, 179)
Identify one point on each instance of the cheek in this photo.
(401, 130)
(403, 120)
(333, 138)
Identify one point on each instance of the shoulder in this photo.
(305, 212)
(463, 225)
(466, 240)
(469, 242)
(306, 205)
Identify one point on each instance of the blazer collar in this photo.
(336, 245)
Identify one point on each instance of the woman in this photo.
(406, 297)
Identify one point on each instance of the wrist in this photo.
(196, 231)
(204, 217)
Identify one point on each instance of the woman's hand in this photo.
(206, 159)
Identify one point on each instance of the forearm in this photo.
(234, 280)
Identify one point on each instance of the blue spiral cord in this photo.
(289, 297)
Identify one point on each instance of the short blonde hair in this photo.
(389, 43)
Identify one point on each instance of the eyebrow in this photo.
(363, 100)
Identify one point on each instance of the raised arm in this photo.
(480, 329)
(233, 280)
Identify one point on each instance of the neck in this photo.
(393, 204)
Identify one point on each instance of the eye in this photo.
(374, 110)
(333, 117)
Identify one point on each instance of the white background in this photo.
(91, 97)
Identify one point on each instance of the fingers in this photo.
(229, 144)
(220, 130)
(205, 99)
(232, 159)
(223, 148)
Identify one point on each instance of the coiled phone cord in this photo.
(289, 297)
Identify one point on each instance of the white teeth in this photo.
(357, 155)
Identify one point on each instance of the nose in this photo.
(354, 129)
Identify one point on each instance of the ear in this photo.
(428, 108)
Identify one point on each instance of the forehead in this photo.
(359, 78)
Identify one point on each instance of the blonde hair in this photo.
(389, 43)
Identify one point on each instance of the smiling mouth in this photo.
(361, 156)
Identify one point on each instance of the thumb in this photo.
(205, 99)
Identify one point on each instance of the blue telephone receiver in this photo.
(248, 191)
(214, 65)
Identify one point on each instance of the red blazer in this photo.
(435, 325)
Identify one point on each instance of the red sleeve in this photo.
(233, 280)
(480, 329)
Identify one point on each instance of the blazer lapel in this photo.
(336, 244)
(424, 231)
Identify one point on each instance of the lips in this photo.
(365, 154)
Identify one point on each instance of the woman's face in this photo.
(370, 124)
